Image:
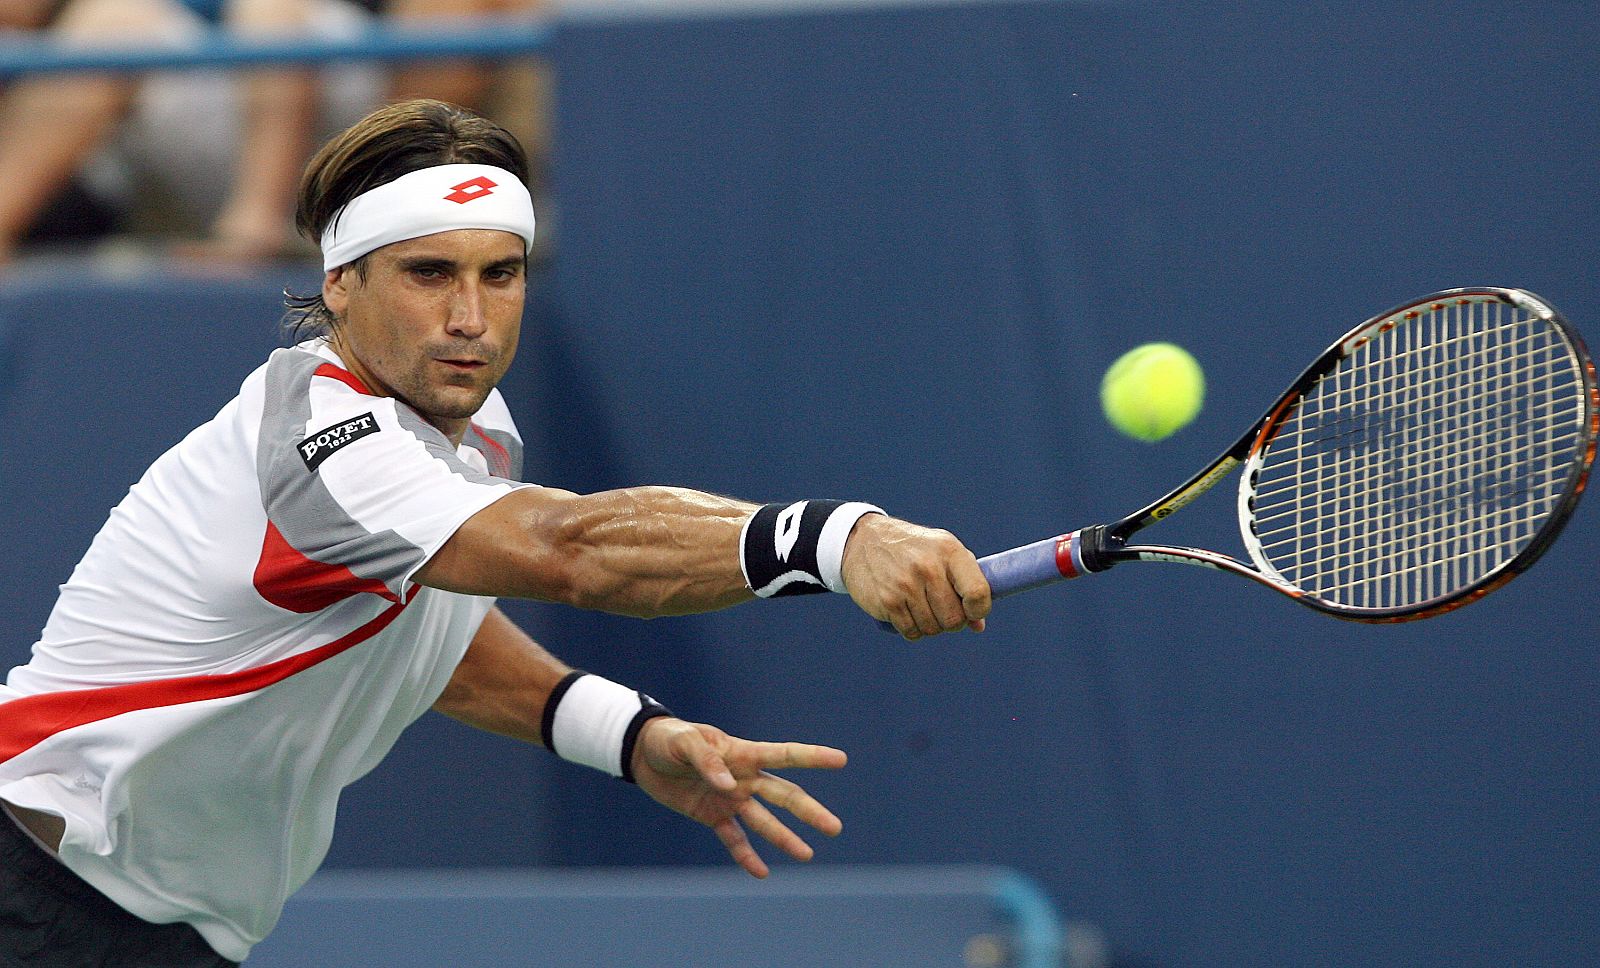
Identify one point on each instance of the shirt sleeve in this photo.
(359, 493)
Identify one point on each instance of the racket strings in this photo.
(1281, 503)
(1354, 572)
(1434, 529)
(1429, 457)
(1427, 524)
(1484, 455)
(1343, 425)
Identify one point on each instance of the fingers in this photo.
(792, 797)
(945, 609)
(786, 794)
(972, 588)
(939, 608)
(937, 586)
(900, 617)
(764, 822)
(781, 756)
(721, 760)
(711, 766)
(929, 609)
(716, 762)
(723, 782)
(733, 838)
(774, 831)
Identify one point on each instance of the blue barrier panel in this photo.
(882, 917)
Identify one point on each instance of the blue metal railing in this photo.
(485, 38)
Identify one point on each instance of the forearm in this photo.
(655, 551)
(644, 551)
(503, 682)
(650, 551)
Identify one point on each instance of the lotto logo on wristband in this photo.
(788, 530)
(780, 548)
(797, 549)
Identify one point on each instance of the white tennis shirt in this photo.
(242, 641)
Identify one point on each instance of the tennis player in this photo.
(304, 575)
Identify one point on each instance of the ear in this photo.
(336, 288)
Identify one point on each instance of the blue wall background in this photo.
(887, 254)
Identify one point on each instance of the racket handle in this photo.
(1030, 566)
(1033, 565)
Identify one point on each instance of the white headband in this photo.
(427, 201)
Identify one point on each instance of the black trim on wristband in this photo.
(649, 710)
(779, 553)
(547, 722)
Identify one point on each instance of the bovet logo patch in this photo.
(321, 445)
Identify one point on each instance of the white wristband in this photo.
(594, 721)
(830, 544)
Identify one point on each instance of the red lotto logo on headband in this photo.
(468, 190)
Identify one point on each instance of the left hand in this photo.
(721, 781)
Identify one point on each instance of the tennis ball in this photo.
(1152, 391)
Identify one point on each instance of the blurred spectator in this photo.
(514, 93)
(159, 150)
(209, 154)
(281, 112)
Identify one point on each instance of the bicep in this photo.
(511, 548)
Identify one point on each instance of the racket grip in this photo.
(1033, 565)
(1030, 566)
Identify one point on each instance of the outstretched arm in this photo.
(505, 680)
(649, 551)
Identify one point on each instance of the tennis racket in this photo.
(1428, 457)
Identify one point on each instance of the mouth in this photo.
(464, 366)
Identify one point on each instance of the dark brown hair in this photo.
(390, 142)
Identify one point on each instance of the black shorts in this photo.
(49, 918)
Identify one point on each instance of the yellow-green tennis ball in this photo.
(1152, 391)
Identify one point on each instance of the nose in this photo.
(466, 312)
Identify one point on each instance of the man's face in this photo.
(435, 322)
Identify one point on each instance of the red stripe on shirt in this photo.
(343, 376)
(26, 722)
(288, 579)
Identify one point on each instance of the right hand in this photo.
(922, 581)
